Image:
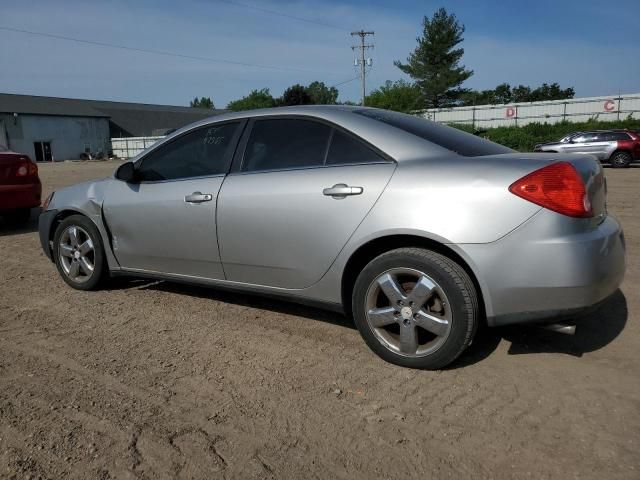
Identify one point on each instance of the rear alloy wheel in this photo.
(415, 308)
(78, 253)
(621, 160)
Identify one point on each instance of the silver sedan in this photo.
(418, 231)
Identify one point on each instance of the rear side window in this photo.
(203, 152)
(452, 139)
(345, 149)
(612, 136)
(277, 144)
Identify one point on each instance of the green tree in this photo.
(256, 99)
(503, 93)
(321, 94)
(521, 93)
(295, 95)
(435, 63)
(551, 92)
(204, 102)
(400, 96)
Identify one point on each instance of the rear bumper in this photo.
(14, 197)
(45, 221)
(536, 274)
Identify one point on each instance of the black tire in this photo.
(18, 217)
(621, 159)
(100, 268)
(454, 283)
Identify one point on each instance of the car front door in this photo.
(301, 189)
(165, 221)
(589, 143)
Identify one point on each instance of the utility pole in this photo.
(361, 61)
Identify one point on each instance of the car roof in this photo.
(396, 143)
(609, 130)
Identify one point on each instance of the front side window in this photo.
(203, 152)
(276, 144)
(586, 138)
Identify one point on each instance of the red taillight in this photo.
(26, 168)
(557, 187)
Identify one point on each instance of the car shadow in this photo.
(593, 331)
(8, 228)
(253, 301)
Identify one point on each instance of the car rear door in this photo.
(300, 189)
(165, 222)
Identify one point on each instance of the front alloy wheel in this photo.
(78, 253)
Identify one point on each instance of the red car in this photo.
(20, 187)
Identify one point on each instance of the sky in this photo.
(592, 46)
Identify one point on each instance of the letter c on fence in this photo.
(511, 112)
(609, 105)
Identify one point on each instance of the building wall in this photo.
(69, 136)
(573, 110)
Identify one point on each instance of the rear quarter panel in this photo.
(452, 200)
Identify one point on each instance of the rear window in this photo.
(452, 139)
(3, 149)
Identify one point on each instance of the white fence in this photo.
(130, 147)
(554, 111)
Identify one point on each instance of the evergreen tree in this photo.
(435, 63)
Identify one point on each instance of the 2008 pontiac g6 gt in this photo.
(418, 231)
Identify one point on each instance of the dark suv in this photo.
(618, 147)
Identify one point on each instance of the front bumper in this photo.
(45, 221)
(550, 268)
(19, 196)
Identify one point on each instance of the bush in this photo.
(526, 137)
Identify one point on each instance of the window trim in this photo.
(241, 124)
(238, 159)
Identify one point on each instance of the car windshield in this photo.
(3, 148)
(452, 139)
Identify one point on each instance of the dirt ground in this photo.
(155, 380)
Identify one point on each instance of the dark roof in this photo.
(131, 119)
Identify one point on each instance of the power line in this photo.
(159, 52)
(346, 81)
(361, 61)
(279, 14)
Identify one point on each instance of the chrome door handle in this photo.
(198, 197)
(341, 190)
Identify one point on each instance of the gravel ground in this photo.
(155, 380)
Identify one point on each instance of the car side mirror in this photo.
(127, 173)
